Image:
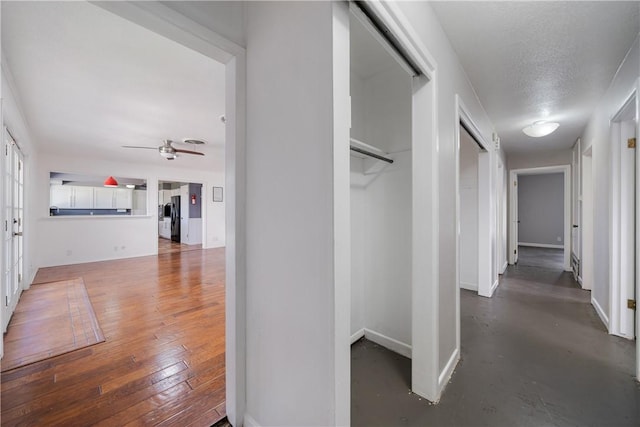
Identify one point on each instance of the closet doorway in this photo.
(381, 214)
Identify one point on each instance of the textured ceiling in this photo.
(547, 60)
(89, 82)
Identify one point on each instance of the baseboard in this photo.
(580, 281)
(446, 373)
(541, 245)
(356, 336)
(600, 312)
(469, 286)
(504, 267)
(388, 343)
(249, 421)
(494, 287)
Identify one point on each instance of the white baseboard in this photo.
(446, 373)
(600, 312)
(494, 287)
(541, 245)
(249, 421)
(580, 281)
(469, 286)
(388, 343)
(504, 267)
(356, 336)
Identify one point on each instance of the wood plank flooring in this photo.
(166, 246)
(163, 359)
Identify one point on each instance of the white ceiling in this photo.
(89, 82)
(547, 60)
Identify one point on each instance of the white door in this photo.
(13, 228)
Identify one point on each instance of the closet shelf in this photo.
(369, 150)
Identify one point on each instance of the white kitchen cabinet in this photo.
(103, 198)
(71, 197)
(83, 197)
(123, 198)
(61, 196)
(164, 228)
(112, 198)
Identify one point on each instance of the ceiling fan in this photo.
(168, 151)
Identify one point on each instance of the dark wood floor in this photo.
(163, 359)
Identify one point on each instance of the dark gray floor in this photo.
(536, 354)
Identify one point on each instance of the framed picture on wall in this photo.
(217, 194)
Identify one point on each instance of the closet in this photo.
(469, 227)
(381, 193)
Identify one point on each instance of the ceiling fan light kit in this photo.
(168, 151)
(540, 128)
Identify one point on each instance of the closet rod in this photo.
(370, 154)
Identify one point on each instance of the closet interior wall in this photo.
(469, 152)
(381, 203)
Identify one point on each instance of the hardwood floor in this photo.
(163, 359)
(166, 246)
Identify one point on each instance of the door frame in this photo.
(513, 212)
(622, 181)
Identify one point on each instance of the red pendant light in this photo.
(110, 182)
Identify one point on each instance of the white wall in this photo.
(468, 211)
(451, 80)
(297, 373)
(71, 240)
(597, 136)
(541, 209)
(536, 160)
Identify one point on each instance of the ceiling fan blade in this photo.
(136, 146)
(178, 150)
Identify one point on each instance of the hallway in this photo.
(535, 354)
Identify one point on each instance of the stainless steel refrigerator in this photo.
(175, 218)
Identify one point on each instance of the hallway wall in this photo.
(597, 135)
(451, 80)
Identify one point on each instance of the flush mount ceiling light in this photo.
(110, 182)
(131, 186)
(540, 128)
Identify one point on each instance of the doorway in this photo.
(381, 194)
(182, 216)
(13, 245)
(468, 224)
(561, 237)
